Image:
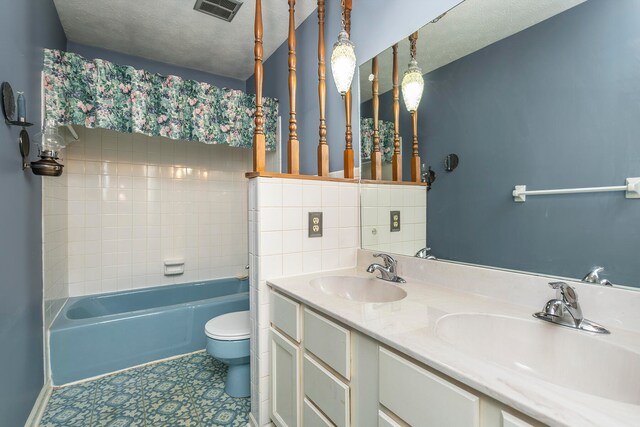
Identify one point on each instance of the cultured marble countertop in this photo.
(409, 326)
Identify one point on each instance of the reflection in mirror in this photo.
(543, 94)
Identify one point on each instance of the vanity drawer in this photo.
(422, 398)
(327, 392)
(509, 420)
(385, 420)
(328, 341)
(313, 417)
(285, 315)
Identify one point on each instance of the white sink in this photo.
(570, 358)
(359, 289)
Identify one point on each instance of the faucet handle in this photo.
(564, 292)
(594, 275)
(388, 259)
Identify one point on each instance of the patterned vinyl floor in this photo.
(188, 391)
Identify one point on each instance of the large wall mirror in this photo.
(537, 93)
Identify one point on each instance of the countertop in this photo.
(410, 326)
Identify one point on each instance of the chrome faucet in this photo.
(594, 277)
(425, 253)
(565, 310)
(387, 271)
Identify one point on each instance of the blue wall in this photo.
(91, 52)
(25, 28)
(554, 106)
(367, 18)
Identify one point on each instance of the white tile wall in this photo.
(378, 200)
(135, 201)
(280, 246)
(54, 245)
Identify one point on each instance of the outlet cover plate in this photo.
(315, 224)
(394, 219)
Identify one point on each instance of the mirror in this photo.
(542, 94)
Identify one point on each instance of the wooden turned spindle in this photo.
(323, 148)
(415, 155)
(293, 147)
(396, 162)
(348, 151)
(376, 155)
(259, 144)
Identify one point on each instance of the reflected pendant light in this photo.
(412, 80)
(343, 59)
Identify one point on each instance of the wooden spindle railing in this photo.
(396, 162)
(376, 155)
(323, 148)
(293, 146)
(415, 155)
(348, 150)
(259, 144)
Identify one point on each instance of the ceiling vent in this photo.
(223, 9)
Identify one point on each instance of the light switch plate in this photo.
(394, 219)
(315, 224)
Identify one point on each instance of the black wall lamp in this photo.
(51, 139)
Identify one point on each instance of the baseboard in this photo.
(39, 406)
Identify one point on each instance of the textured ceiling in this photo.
(466, 28)
(171, 31)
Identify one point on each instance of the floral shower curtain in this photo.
(385, 132)
(100, 94)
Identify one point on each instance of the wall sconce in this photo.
(343, 59)
(412, 81)
(51, 143)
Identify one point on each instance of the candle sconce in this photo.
(9, 108)
(51, 139)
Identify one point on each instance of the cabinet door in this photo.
(285, 381)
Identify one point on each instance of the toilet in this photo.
(228, 341)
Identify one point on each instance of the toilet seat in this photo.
(229, 327)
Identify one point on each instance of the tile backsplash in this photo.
(135, 201)
(378, 200)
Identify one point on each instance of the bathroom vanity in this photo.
(458, 352)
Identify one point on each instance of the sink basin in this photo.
(359, 289)
(569, 358)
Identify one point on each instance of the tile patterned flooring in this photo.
(187, 391)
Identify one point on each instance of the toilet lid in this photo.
(229, 327)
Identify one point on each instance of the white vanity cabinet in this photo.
(324, 374)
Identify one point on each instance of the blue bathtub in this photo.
(98, 334)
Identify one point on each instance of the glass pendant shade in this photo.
(343, 62)
(412, 86)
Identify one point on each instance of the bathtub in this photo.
(98, 334)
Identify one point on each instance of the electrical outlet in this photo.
(315, 224)
(395, 221)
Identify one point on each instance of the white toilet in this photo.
(228, 341)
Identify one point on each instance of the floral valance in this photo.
(385, 132)
(100, 94)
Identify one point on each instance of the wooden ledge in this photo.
(372, 181)
(251, 175)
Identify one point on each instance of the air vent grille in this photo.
(223, 9)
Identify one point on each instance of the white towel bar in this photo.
(632, 189)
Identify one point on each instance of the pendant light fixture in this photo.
(343, 59)
(412, 80)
